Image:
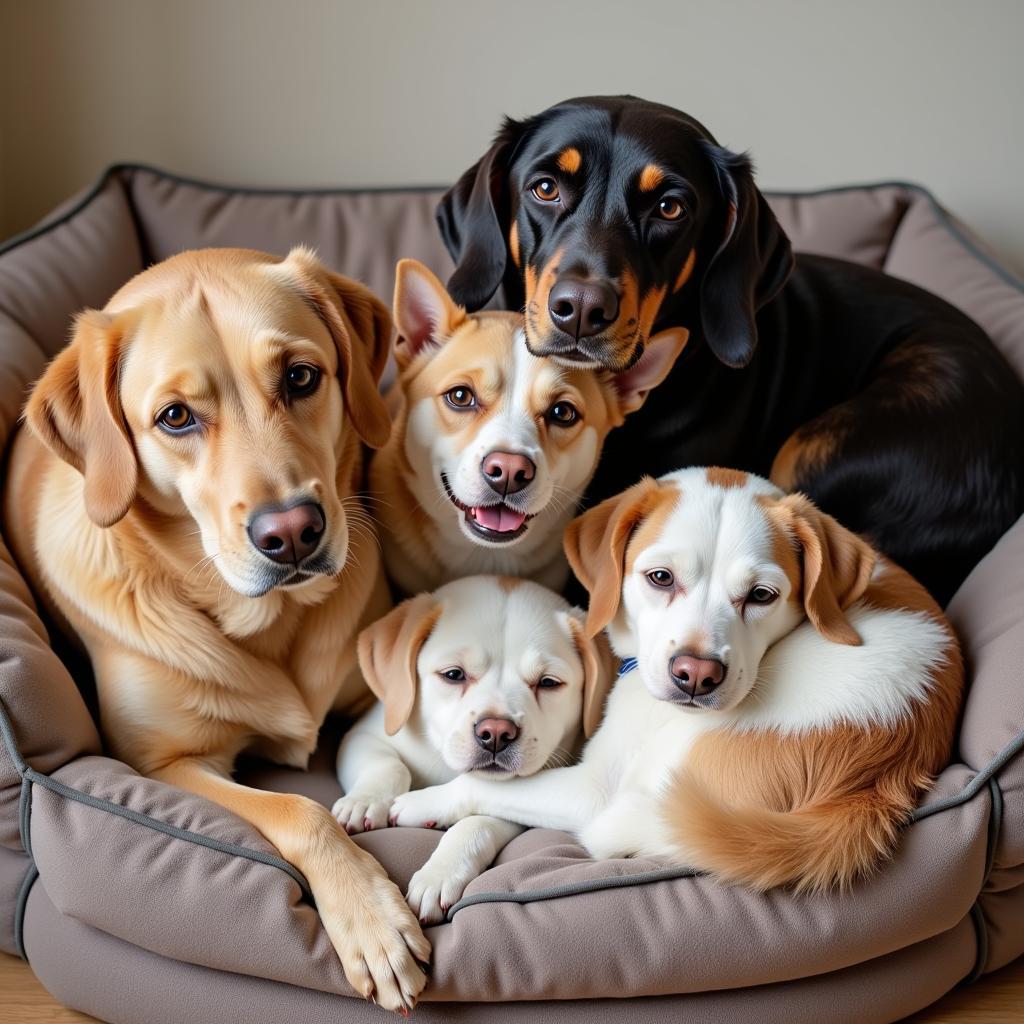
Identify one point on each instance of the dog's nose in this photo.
(696, 676)
(582, 308)
(507, 472)
(288, 534)
(495, 734)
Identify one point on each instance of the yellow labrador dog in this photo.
(184, 499)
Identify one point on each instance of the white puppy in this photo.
(490, 676)
(786, 695)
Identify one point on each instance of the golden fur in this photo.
(138, 541)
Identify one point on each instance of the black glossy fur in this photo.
(903, 420)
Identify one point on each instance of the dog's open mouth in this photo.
(497, 524)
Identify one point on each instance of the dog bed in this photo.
(136, 902)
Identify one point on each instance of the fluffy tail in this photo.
(816, 847)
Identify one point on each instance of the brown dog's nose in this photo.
(507, 472)
(582, 308)
(495, 734)
(696, 676)
(288, 534)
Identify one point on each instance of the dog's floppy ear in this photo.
(595, 545)
(598, 669)
(75, 410)
(360, 325)
(837, 567)
(424, 311)
(388, 650)
(749, 266)
(473, 216)
(660, 353)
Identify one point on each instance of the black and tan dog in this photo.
(608, 218)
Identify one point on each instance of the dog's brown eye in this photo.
(563, 414)
(546, 190)
(301, 380)
(661, 578)
(176, 418)
(670, 209)
(548, 683)
(454, 674)
(461, 398)
(761, 595)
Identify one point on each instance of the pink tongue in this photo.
(499, 518)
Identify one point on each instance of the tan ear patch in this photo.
(598, 673)
(75, 410)
(837, 567)
(388, 651)
(360, 326)
(595, 545)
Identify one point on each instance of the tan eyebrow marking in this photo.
(569, 160)
(651, 177)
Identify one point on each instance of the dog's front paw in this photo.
(436, 887)
(425, 808)
(379, 941)
(362, 812)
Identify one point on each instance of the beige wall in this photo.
(315, 92)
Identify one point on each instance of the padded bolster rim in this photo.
(986, 778)
(123, 169)
(32, 777)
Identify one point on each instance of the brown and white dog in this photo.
(786, 697)
(184, 499)
(492, 447)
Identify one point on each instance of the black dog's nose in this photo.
(495, 734)
(288, 535)
(507, 472)
(696, 676)
(582, 308)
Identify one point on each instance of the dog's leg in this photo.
(370, 925)
(563, 798)
(372, 775)
(464, 852)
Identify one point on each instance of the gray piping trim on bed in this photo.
(19, 909)
(995, 824)
(977, 783)
(197, 838)
(32, 777)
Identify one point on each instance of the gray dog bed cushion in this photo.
(137, 902)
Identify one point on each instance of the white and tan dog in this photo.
(786, 697)
(489, 675)
(492, 447)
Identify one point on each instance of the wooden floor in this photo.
(996, 999)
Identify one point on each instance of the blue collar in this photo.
(628, 664)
